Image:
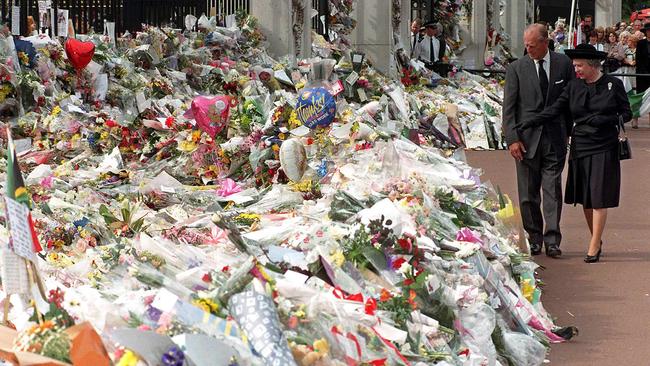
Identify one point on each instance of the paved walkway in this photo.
(608, 301)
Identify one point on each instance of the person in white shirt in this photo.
(430, 49)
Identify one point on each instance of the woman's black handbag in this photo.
(624, 150)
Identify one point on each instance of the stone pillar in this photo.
(473, 57)
(515, 24)
(373, 34)
(305, 51)
(405, 26)
(608, 12)
(275, 21)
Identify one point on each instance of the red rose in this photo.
(398, 263)
(207, 278)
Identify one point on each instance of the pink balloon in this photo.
(210, 113)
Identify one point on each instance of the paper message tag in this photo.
(337, 88)
(362, 95)
(20, 233)
(15, 20)
(352, 78)
(14, 273)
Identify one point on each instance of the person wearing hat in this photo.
(533, 82)
(595, 102)
(430, 49)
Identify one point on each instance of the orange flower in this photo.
(411, 299)
(385, 295)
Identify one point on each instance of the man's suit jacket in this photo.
(443, 48)
(642, 66)
(415, 39)
(523, 99)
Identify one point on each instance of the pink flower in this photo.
(228, 187)
(80, 246)
(47, 182)
(469, 235)
(165, 319)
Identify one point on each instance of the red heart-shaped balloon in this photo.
(79, 53)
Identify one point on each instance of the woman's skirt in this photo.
(594, 181)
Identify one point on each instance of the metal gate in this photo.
(160, 12)
(320, 23)
(222, 8)
(127, 14)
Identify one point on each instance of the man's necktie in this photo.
(431, 58)
(543, 79)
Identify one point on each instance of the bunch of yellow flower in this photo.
(207, 305)
(294, 122)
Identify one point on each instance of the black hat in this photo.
(646, 27)
(430, 24)
(585, 51)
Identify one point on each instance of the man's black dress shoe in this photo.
(553, 251)
(535, 249)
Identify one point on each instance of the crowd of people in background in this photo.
(626, 45)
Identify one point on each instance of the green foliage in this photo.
(126, 220)
(629, 6)
(465, 214)
(354, 248)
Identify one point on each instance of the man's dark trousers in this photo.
(542, 171)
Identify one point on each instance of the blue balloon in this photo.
(316, 107)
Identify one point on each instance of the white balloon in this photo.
(293, 159)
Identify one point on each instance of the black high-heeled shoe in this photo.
(594, 258)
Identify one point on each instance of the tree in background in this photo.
(630, 6)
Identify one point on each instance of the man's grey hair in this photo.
(539, 29)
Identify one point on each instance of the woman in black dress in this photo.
(596, 102)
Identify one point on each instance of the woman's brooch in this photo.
(609, 86)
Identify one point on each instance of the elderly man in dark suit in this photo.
(533, 82)
(642, 64)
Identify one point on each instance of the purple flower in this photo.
(173, 357)
(153, 313)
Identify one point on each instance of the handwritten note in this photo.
(14, 273)
(20, 234)
(15, 20)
